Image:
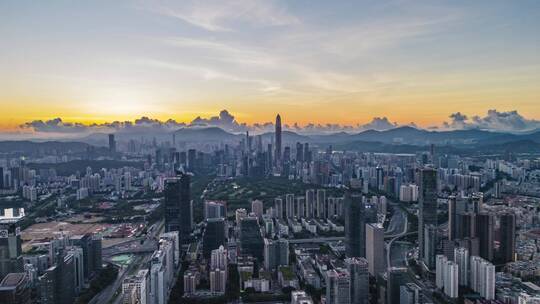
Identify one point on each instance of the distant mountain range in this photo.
(401, 139)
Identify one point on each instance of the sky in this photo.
(339, 62)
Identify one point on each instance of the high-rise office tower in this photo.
(91, 247)
(380, 178)
(507, 237)
(11, 259)
(427, 204)
(278, 142)
(358, 271)
(461, 257)
(338, 285)
(191, 159)
(307, 153)
(57, 284)
(375, 251)
(430, 245)
(466, 225)
(276, 253)
(214, 235)
(299, 152)
(355, 233)
(112, 143)
(485, 225)
(321, 203)
(251, 241)
(397, 276)
(178, 206)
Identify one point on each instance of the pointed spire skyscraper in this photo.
(277, 156)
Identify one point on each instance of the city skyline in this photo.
(346, 62)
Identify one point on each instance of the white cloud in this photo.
(510, 121)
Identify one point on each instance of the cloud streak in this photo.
(221, 16)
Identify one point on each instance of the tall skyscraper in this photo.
(251, 241)
(276, 253)
(214, 235)
(112, 143)
(11, 259)
(452, 218)
(375, 251)
(178, 206)
(397, 276)
(507, 237)
(485, 226)
(430, 245)
(277, 154)
(427, 205)
(91, 247)
(358, 271)
(355, 233)
(299, 152)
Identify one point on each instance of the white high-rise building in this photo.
(375, 252)
(218, 270)
(218, 258)
(482, 278)
(440, 263)
(451, 280)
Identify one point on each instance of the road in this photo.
(398, 220)
(398, 223)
